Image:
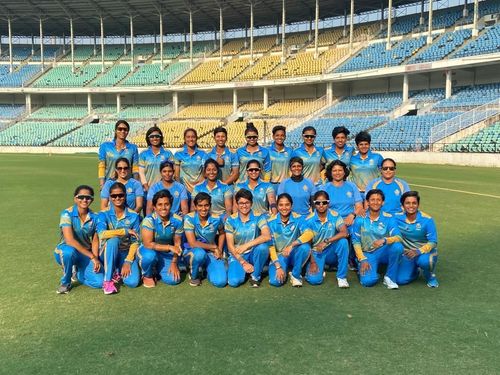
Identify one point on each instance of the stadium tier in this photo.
(402, 25)
(63, 76)
(469, 97)
(294, 107)
(367, 104)
(80, 53)
(145, 111)
(19, 76)
(330, 37)
(32, 133)
(486, 140)
(232, 47)
(112, 76)
(211, 71)
(151, 74)
(261, 68)
(60, 112)
(442, 47)
(10, 111)
(206, 110)
(174, 132)
(487, 42)
(49, 53)
(19, 53)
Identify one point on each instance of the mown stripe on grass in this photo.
(458, 191)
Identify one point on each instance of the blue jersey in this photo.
(342, 198)
(312, 162)
(133, 187)
(420, 234)
(245, 231)
(206, 233)
(392, 191)
(177, 190)
(279, 163)
(365, 170)
(83, 232)
(262, 155)
(301, 193)
(330, 155)
(108, 154)
(322, 230)
(365, 231)
(150, 163)
(163, 234)
(230, 161)
(260, 192)
(107, 220)
(191, 166)
(219, 194)
(283, 234)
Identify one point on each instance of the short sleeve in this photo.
(102, 152)
(262, 222)
(148, 224)
(229, 226)
(188, 224)
(65, 220)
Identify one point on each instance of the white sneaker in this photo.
(294, 281)
(342, 283)
(389, 283)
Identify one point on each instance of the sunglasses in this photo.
(121, 129)
(253, 170)
(252, 137)
(388, 168)
(321, 203)
(154, 136)
(117, 196)
(309, 136)
(122, 168)
(83, 197)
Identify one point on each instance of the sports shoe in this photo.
(342, 283)
(194, 282)
(74, 277)
(254, 283)
(109, 287)
(389, 283)
(117, 278)
(432, 282)
(148, 282)
(294, 281)
(63, 289)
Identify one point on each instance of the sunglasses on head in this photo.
(154, 136)
(388, 168)
(321, 203)
(253, 170)
(309, 136)
(84, 197)
(117, 196)
(121, 129)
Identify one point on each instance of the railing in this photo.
(463, 121)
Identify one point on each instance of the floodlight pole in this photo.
(475, 30)
(161, 41)
(429, 34)
(221, 36)
(389, 26)
(251, 33)
(102, 44)
(42, 61)
(72, 41)
(89, 103)
(316, 31)
(175, 102)
(344, 30)
(351, 27)
(131, 43)
(11, 58)
(283, 32)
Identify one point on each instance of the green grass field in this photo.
(454, 329)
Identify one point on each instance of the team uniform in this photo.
(301, 192)
(419, 235)
(230, 161)
(342, 198)
(163, 234)
(318, 231)
(108, 154)
(218, 195)
(198, 257)
(244, 232)
(133, 187)
(392, 192)
(260, 193)
(117, 246)
(191, 166)
(312, 162)
(177, 190)
(283, 234)
(262, 155)
(279, 164)
(67, 256)
(330, 155)
(149, 163)
(365, 170)
(364, 232)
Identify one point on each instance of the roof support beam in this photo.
(190, 37)
(131, 43)
(388, 45)
(251, 32)
(221, 36)
(72, 43)
(11, 59)
(475, 30)
(351, 27)
(316, 31)
(283, 31)
(101, 22)
(42, 57)
(429, 34)
(161, 41)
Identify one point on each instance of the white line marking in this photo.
(457, 191)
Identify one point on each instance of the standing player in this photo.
(280, 156)
(339, 150)
(365, 165)
(419, 240)
(253, 151)
(228, 161)
(189, 161)
(310, 155)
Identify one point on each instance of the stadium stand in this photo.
(112, 76)
(29, 133)
(367, 104)
(144, 111)
(19, 53)
(206, 110)
(211, 71)
(402, 25)
(10, 111)
(487, 42)
(261, 68)
(60, 112)
(49, 52)
(19, 76)
(80, 53)
(330, 37)
(469, 97)
(261, 45)
(442, 47)
(486, 140)
(293, 107)
(151, 74)
(232, 47)
(62, 76)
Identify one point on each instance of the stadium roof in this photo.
(25, 14)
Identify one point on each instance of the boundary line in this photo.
(457, 191)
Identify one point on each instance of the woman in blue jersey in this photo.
(419, 241)
(310, 154)
(161, 234)
(220, 193)
(79, 245)
(205, 236)
(287, 250)
(339, 150)
(300, 188)
(365, 165)
(247, 237)
(189, 161)
(118, 230)
(253, 151)
(135, 194)
(392, 186)
(151, 158)
(178, 191)
(264, 198)
(280, 155)
(119, 147)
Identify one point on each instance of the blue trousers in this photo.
(387, 254)
(149, 258)
(113, 259)
(408, 268)
(258, 257)
(297, 259)
(335, 253)
(216, 268)
(67, 256)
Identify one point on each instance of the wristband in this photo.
(385, 240)
(129, 261)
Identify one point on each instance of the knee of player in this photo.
(368, 280)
